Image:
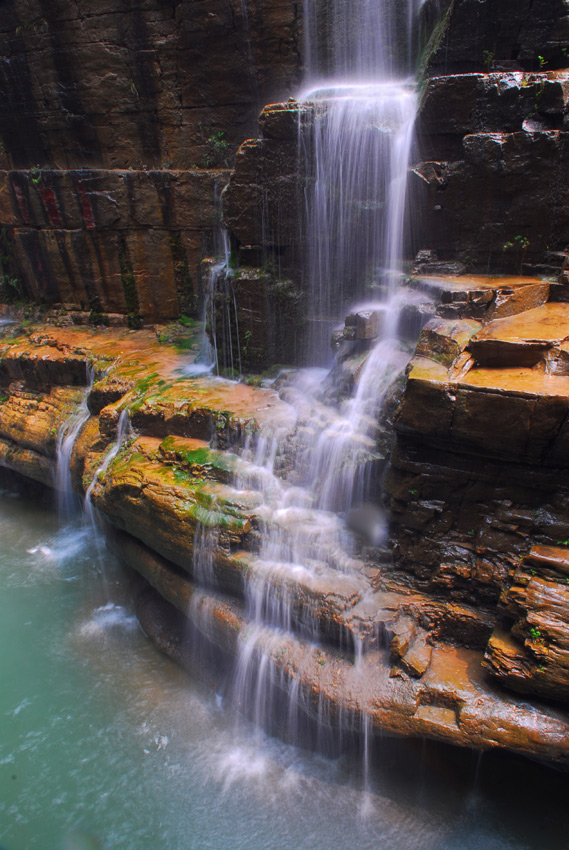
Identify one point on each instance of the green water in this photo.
(105, 743)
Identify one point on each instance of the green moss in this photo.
(128, 283)
(187, 297)
(431, 47)
(202, 457)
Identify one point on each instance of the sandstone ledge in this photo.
(420, 672)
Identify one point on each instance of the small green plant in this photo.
(188, 322)
(488, 59)
(520, 244)
(217, 150)
(536, 635)
(11, 289)
(471, 532)
(35, 174)
(245, 342)
(413, 492)
(541, 62)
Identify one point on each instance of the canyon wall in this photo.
(116, 122)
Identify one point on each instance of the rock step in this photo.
(28, 463)
(537, 336)
(147, 472)
(318, 603)
(482, 297)
(461, 410)
(443, 340)
(451, 702)
(41, 362)
(462, 104)
(549, 561)
(140, 374)
(167, 507)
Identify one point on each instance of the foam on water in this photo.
(108, 617)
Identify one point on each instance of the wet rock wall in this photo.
(492, 134)
(89, 92)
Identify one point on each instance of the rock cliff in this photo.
(462, 635)
(115, 119)
(485, 593)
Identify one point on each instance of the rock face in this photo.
(115, 122)
(127, 242)
(188, 511)
(473, 608)
(473, 34)
(491, 183)
(477, 483)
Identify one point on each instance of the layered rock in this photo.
(477, 482)
(127, 242)
(116, 124)
(533, 655)
(189, 513)
(492, 180)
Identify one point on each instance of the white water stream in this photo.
(360, 146)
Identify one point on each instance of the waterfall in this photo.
(219, 348)
(90, 514)
(359, 147)
(65, 442)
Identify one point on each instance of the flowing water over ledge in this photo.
(102, 735)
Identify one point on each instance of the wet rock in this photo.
(443, 339)
(366, 324)
(257, 321)
(482, 297)
(110, 389)
(493, 200)
(533, 337)
(533, 656)
(34, 421)
(428, 263)
(527, 29)
(457, 105)
(409, 647)
(26, 462)
(448, 703)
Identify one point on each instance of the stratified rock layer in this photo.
(116, 125)
(177, 486)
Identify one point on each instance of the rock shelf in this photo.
(473, 607)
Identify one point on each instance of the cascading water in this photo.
(360, 148)
(66, 440)
(91, 518)
(219, 348)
